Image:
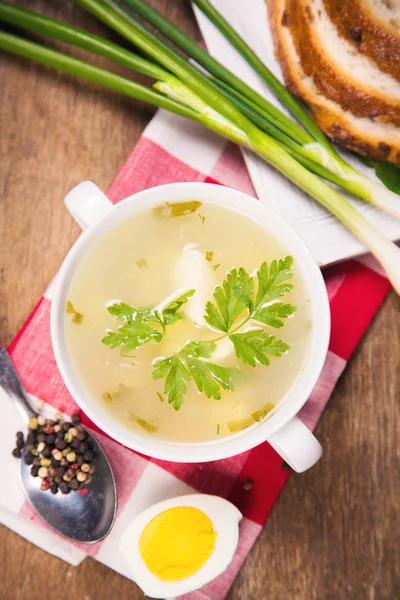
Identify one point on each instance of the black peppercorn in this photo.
(34, 471)
(46, 452)
(60, 471)
(64, 487)
(248, 484)
(54, 487)
(48, 444)
(76, 419)
(28, 458)
(82, 447)
(61, 444)
(74, 484)
(30, 438)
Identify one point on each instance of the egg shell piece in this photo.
(225, 518)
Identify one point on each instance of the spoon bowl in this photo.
(81, 517)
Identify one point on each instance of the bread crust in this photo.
(371, 36)
(334, 122)
(331, 80)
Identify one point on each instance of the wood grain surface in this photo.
(335, 532)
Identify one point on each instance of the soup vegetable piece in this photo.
(188, 335)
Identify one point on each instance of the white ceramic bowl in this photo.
(284, 431)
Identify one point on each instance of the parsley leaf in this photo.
(273, 313)
(210, 377)
(271, 280)
(126, 312)
(131, 336)
(230, 300)
(136, 330)
(199, 349)
(246, 286)
(170, 313)
(234, 297)
(255, 345)
(177, 376)
(78, 317)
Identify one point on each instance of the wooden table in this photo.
(334, 533)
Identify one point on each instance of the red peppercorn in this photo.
(45, 485)
(83, 492)
(48, 429)
(75, 466)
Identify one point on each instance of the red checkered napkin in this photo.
(173, 149)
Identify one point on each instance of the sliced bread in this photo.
(371, 26)
(364, 135)
(339, 72)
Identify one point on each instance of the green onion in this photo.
(280, 91)
(40, 24)
(73, 66)
(32, 21)
(113, 15)
(312, 156)
(203, 58)
(351, 179)
(205, 104)
(321, 152)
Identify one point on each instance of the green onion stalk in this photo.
(185, 91)
(314, 149)
(36, 23)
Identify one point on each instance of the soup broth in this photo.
(147, 261)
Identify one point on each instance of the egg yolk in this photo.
(177, 542)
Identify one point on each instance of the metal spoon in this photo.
(86, 519)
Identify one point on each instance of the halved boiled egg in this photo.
(180, 544)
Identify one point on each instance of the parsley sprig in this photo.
(237, 301)
(142, 325)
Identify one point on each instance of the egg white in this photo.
(225, 518)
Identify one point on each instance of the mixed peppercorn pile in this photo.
(61, 453)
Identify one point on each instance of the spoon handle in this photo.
(11, 384)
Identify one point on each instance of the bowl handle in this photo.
(87, 203)
(297, 445)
